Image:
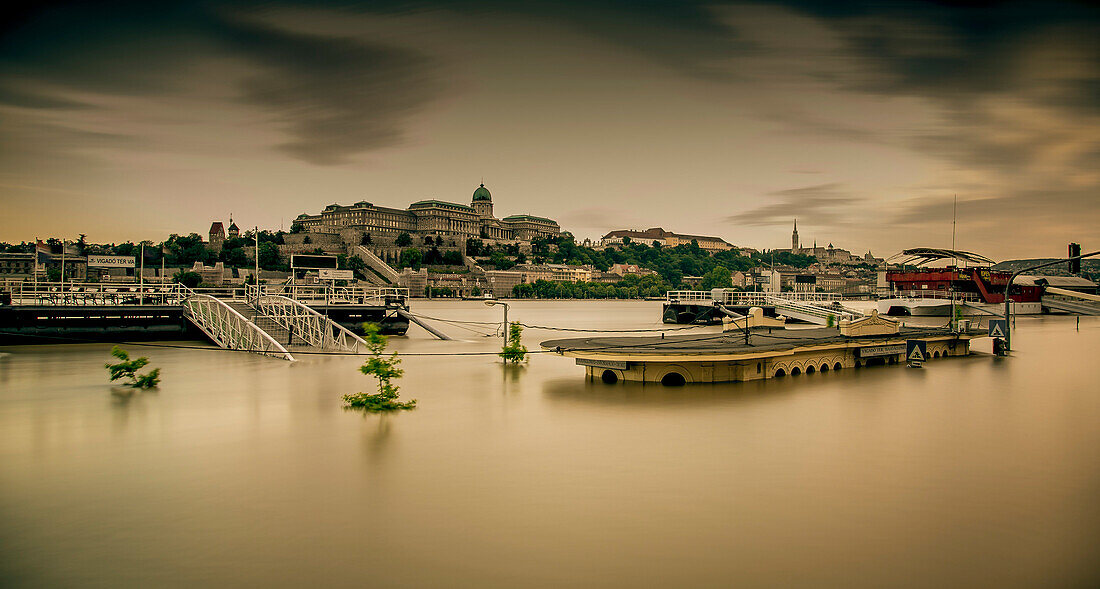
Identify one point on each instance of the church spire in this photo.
(794, 238)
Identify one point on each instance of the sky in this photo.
(866, 121)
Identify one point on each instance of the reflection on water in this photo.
(244, 470)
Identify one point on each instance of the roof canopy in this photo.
(920, 256)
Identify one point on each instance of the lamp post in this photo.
(505, 329)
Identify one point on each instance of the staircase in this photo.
(810, 312)
(373, 262)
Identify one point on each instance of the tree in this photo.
(269, 256)
(500, 261)
(428, 240)
(296, 228)
(403, 240)
(365, 240)
(514, 351)
(382, 368)
(357, 265)
(719, 277)
(453, 258)
(412, 258)
(187, 278)
(127, 368)
(306, 240)
(626, 240)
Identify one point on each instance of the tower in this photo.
(482, 202)
(794, 238)
(234, 232)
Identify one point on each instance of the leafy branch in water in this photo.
(127, 368)
(513, 350)
(382, 368)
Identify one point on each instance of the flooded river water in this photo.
(246, 471)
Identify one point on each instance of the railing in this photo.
(945, 295)
(306, 324)
(377, 263)
(338, 295)
(228, 328)
(114, 294)
(809, 312)
(96, 294)
(734, 297)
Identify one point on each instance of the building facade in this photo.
(432, 217)
(664, 238)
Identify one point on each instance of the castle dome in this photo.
(482, 193)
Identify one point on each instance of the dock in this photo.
(274, 320)
(758, 352)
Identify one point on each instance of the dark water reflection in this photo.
(243, 470)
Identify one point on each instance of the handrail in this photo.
(216, 303)
(271, 299)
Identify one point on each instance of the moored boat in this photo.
(974, 289)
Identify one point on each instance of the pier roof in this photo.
(761, 340)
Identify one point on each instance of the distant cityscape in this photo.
(441, 248)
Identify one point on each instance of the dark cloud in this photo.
(334, 96)
(821, 204)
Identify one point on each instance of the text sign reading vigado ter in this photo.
(111, 261)
(872, 351)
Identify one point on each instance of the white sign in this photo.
(111, 261)
(330, 274)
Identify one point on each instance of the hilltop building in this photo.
(431, 217)
(664, 238)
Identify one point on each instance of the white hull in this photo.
(942, 308)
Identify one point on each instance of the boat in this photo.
(918, 288)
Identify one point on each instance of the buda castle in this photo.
(431, 217)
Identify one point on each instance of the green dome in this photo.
(482, 193)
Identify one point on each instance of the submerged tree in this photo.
(382, 368)
(514, 351)
(127, 368)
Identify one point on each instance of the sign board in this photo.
(312, 261)
(614, 364)
(330, 274)
(111, 261)
(916, 350)
(998, 327)
(872, 351)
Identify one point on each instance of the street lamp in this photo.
(504, 330)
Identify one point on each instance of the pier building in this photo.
(758, 353)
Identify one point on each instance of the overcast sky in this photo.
(862, 119)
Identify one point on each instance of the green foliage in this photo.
(631, 286)
(830, 321)
(412, 258)
(403, 240)
(382, 368)
(719, 277)
(53, 274)
(785, 259)
(296, 228)
(187, 278)
(500, 261)
(514, 351)
(127, 368)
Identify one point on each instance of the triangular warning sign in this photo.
(916, 354)
(996, 331)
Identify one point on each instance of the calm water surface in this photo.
(244, 470)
